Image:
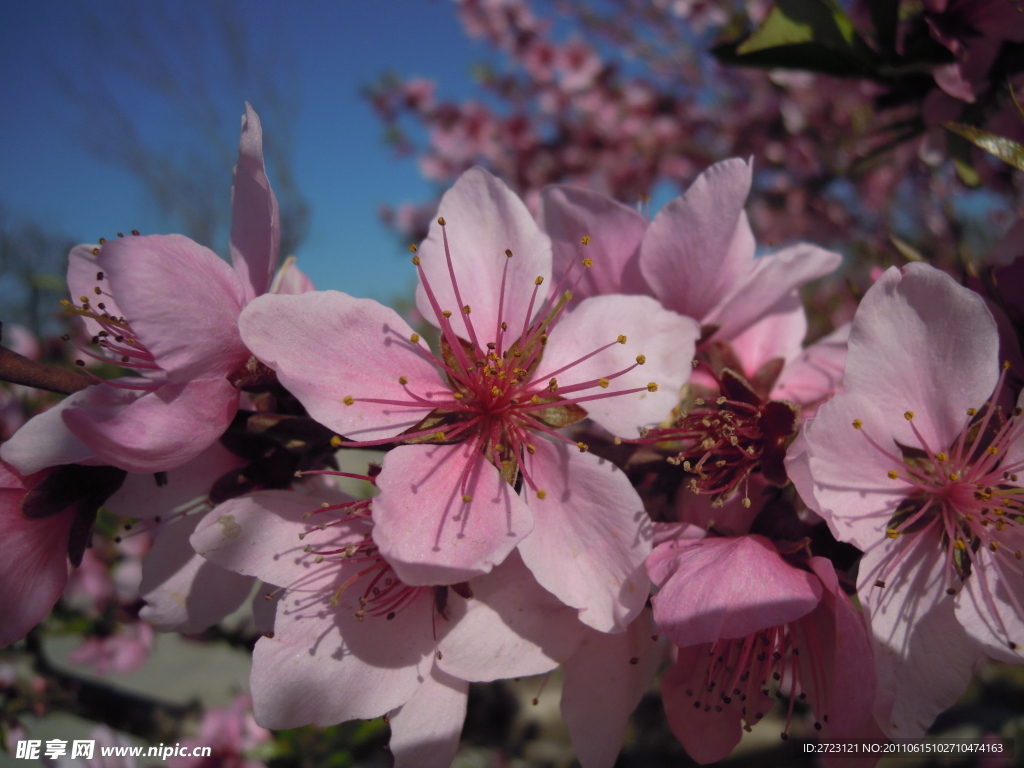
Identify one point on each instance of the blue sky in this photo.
(341, 162)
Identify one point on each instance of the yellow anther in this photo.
(941, 457)
(543, 338)
(348, 400)
(446, 313)
(1006, 365)
(439, 436)
(413, 248)
(535, 400)
(65, 303)
(588, 263)
(621, 339)
(542, 494)
(857, 423)
(458, 395)
(583, 447)
(893, 474)
(994, 546)
(84, 299)
(531, 449)
(585, 240)
(402, 380)
(95, 251)
(892, 533)
(959, 545)
(1016, 554)
(538, 281)
(416, 260)
(721, 400)
(495, 391)
(466, 498)
(652, 387)
(415, 338)
(335, 441)
(954, 476)
(745, 502)
(992, 450)
(909, 415)
(466, 310)
(102, 240)
(972, 411)
(508, 252)
(440, 220)
(603, 383)
(640, 359)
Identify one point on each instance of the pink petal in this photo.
(484, 219)
(160, 430)
(33, 563)
(425, 529)
(844, 653)
(326, 346)
(726, 588)
(255, 223)
(425, 730)
(149, 496)
(259, 535)
(700, 244)
(768, 287)
(568, 214)
(83, 271)
(45, 441)
(816, 374)
(181, 300)
(324, 667)
(590, 536)
(602, 685)
(184, 592)
(946, 335)
(511, 627)
(707, 735)
(988, 605)
(665, 339)
(914, 633)
(779, 335)
(291, 280)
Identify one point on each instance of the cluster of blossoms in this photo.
(612, 406)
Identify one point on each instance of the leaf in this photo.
(826, 39)
(1007, 150)
(907, 251)
(558, 416)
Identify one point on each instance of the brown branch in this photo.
(18, 369)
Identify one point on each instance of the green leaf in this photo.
(907, 251)
(1007, 150)
(823, 30)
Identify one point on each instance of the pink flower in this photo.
(744, 619)
(167, 308)
(916, 466)
(351, 640)
(124, 651)
(514, 367)
(34, 565)
(229, 732)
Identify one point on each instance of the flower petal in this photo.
(83, 279)
(567, 214)
(602, 685)
(511, 627)
(914, 633)
(988, 605)
(327, 346)
(768, 287)
(816, 374)
(34, 566)
(255, 222)
(425, 730)
(291, 280)
(700, 244)
(148, 495)
(722, 588)
(181, 300)
(590, 536)
(323, 667)
(946, 334)
(183, 591)
(707, 733)
(425, 529)
(665, 339)
(484, 218)
(160, 430)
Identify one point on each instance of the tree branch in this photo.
(18, 369)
